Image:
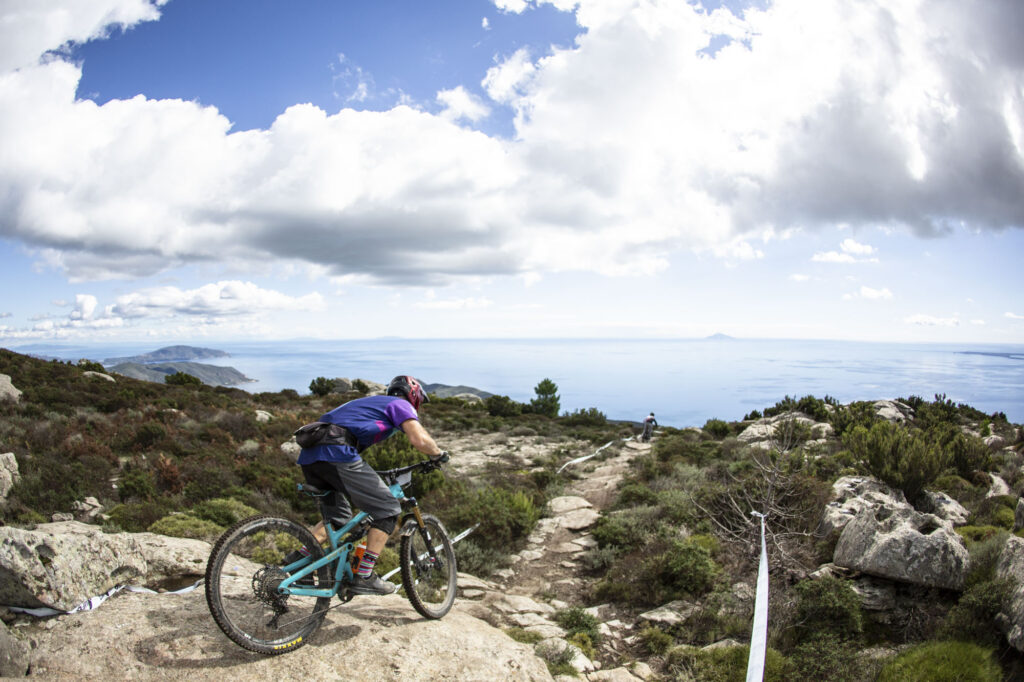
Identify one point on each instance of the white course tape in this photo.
(454, 540)
(94, 602)
(759, 632)
(584, 458)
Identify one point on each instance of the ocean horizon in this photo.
(684, 382)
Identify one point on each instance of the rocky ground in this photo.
(173, 637)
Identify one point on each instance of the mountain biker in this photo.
(649, 423)
(336, 467)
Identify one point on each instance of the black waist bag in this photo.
(323, 433)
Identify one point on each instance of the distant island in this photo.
(170, 354)
(208, 374)
(720, 337)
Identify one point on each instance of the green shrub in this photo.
(478, 560)
(182, 379)
(576, 620)
(223, 511)
(627, 530)
(943, 662)
(186, 525)
(588, 417)
(897, 456)
(717, 428)
(827, 656)
(321, 386)
(148, 435)
(655, 640)
(502, 406)
(726, 664)
(557, 658)
(978, 533)
(997, 511)
(136, 484)
(829, 605)
(522, 635)
(136, 517)
(968, 454)
(360, 386)
(688, 568)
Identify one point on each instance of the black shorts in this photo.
(359, 482)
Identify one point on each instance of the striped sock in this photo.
(366, 564)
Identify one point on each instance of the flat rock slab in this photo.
(568, 503)
(580, 519)
(173, 637)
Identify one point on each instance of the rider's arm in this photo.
(419, 437)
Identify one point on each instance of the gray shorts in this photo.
(359, 482)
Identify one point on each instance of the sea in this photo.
(684, 382)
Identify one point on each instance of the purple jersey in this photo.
(370, 420)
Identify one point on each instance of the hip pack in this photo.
(324, 433)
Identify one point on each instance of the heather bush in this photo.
(725, 664)
(186, 525)
(717, 428)
(943, 662)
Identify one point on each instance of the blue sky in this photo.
(186, 171)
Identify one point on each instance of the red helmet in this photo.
(407, 387)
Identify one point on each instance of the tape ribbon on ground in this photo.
(759, 631)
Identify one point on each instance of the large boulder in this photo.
(62, 565)
(9, 473)
(853, 494)
(1011, 566)
(893, 410)
(763, 431)
(901, 544)
(7, 389)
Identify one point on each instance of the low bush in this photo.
(717, 428)
(725, 664)
(655, 640)
(943, 662)
(899, 457)
(576, 620)
(186, 525)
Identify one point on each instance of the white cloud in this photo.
(85, 306)
(633, 140)
(978, 323)
(455, 304)
(219, 299)
(875, 294)
(1013, 316)
(797, 277)
(930, 321)
(459, 103)
(833, 257)
(852, 252)
(855, 248)
(485, 24)
(4, 315)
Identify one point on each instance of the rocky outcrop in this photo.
(62, 565)
(853, 494)
(8, 390)
(998, 488)
(901, 544)
(9, 474)
(945, 507)
(763, 432)
(100, 375)
(893, 410)
(1011, 566)
(262, 416)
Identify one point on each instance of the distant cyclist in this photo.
(334, 465)
(649, 423)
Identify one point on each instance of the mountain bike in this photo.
(266, 605)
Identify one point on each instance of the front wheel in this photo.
(242, 579)
(429, 574)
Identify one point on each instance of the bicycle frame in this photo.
(340, 552)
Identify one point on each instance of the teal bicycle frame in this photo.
(338, 552)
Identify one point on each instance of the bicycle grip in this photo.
(444, 457)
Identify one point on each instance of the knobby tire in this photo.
(241, 578)
(430, 582)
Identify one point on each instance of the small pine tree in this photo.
(321, 386)
(546, 402)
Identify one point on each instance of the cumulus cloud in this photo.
(635, 139)
(931, 321)
(220, 299)
(1013, 316)
(458, 103)
(851, 252)
(875, 294)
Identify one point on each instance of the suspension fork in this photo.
(412, 522)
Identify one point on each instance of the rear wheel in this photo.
(242, 579)
(429, 577)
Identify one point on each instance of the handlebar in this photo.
(425, 466)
